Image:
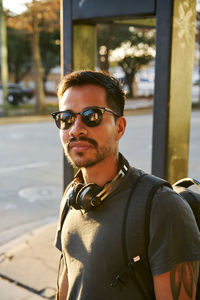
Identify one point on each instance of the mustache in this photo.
(82, 138)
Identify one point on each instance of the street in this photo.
(30, 176)
(137, 143)
(31, 169)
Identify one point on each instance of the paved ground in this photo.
(28, 266)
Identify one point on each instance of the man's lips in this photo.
(80, 146)
(81, 143)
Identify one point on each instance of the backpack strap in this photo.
(136, 230)
(187, 182)
(141, 205)
(135, 235)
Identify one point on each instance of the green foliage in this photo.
(19, 53)
(50, 50)
(40, 16)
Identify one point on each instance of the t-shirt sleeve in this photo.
(62, 216)
(57, 240)
(174, 235)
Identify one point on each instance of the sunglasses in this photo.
(91, 116)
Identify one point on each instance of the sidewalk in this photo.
(28, 266)
(130, 105)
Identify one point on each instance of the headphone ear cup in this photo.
(87, 196)
(72, 195)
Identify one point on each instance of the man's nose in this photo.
(78, 128)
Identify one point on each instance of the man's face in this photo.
(86, 146)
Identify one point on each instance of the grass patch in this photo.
(24, 109)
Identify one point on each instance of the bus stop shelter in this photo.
(175, 35)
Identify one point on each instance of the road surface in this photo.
(31, 169)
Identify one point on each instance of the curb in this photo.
(25, 119)
(131, 107)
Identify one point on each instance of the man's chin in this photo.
(71, 160)
(76, 160)
(79, 161)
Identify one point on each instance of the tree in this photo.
(127, 46)
(3, 56)
(110, 37)
(50, 51)
(18, 42)
(38, 14)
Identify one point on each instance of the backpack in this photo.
(137, 216)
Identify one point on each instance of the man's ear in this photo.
(120, 127)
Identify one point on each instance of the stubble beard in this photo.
(101, 153)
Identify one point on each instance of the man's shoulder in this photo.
(136, 172)
(168, 201)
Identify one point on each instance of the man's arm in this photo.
(63, 285)
(178, 284)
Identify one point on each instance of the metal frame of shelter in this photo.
(175, 35)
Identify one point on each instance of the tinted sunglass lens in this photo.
(65, 120)
(92, 117)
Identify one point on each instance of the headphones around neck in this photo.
(81, 196)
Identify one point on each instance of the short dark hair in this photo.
(115, 96)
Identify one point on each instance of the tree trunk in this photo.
(130, 76)
(103, 59)
(37, 70)
(3, 59)
(45, 77)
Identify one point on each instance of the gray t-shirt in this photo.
(92, 242)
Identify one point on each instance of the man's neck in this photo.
(102, 172)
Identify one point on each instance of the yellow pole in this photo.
(182, 61)
(84, 47)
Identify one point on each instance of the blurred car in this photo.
(145, 87)
(18, 94)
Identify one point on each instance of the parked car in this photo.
(17, 93)
(145, 87)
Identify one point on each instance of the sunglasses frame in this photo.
(102, 109)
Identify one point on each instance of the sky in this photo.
(16, 6)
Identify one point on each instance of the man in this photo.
(90, 232)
